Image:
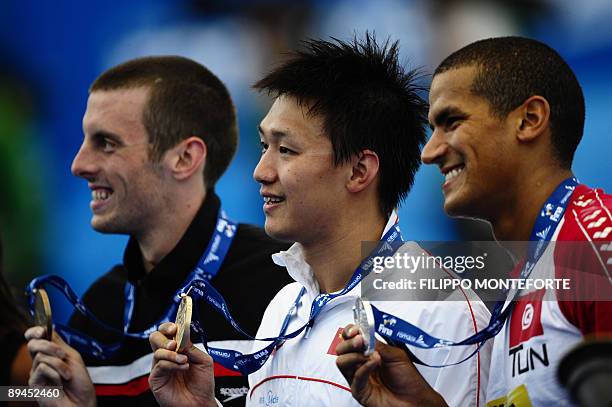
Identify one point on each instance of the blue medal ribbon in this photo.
(207, 267)
(197, 285)
(249, 363)
(396, 330)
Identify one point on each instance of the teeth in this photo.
(452, 174)
(271, 200)
(100, 194)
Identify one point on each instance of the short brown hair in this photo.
(186, 100)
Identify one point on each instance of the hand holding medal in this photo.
(93, 348)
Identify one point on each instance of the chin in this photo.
(270, 229)
(463, 208)
(106, 226)
(278, 233)
(454, 208)
(101, 228)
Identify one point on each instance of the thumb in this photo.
(35, 332)
(57, 339)
(197, 356)
(67, 349)
(390, 353)
(360, 387)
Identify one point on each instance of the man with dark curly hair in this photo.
(507, 115)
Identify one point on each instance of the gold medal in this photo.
(183, 323)
(42, 311)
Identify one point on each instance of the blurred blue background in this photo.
(52, 51)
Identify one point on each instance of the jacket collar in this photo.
(300, 271)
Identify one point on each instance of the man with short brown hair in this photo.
(158, 133)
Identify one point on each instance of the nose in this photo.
(84, 164)
(265, 172)
(435, 149)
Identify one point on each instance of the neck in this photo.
(515, 222)
(160, 240)
(335, 258)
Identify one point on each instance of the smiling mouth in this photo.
(99, 198)
(272, 200)
(101, 194)
(450, 175)
(453, 173)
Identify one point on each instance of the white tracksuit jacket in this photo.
(303, 372)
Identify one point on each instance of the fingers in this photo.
(350, 352)
(168, 329)
(165, 359)
(197, 356)
(354, 343)
(166, 368)
(349, 331)
(164, 337)
(165, 363)
(349, 363)
(359, 385)
(35, 332)
(57, 364)
(390, 354)
(55, 338)
(44, 375)
(170, 356)
(160, 341)
(44, 346)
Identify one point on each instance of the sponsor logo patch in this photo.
(525, 322)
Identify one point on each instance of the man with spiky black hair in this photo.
(340, 147)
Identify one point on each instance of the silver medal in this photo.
(364, 321)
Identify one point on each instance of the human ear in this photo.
(187, 157)
(533, 118)
(364, 171)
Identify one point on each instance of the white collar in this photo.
(297, 267)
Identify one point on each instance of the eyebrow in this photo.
(442, 116)
(103, 134)
(274, 133)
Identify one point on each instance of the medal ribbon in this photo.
(396, 330)
(249, 363)
(207, 267)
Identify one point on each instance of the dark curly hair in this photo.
(512, 69)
